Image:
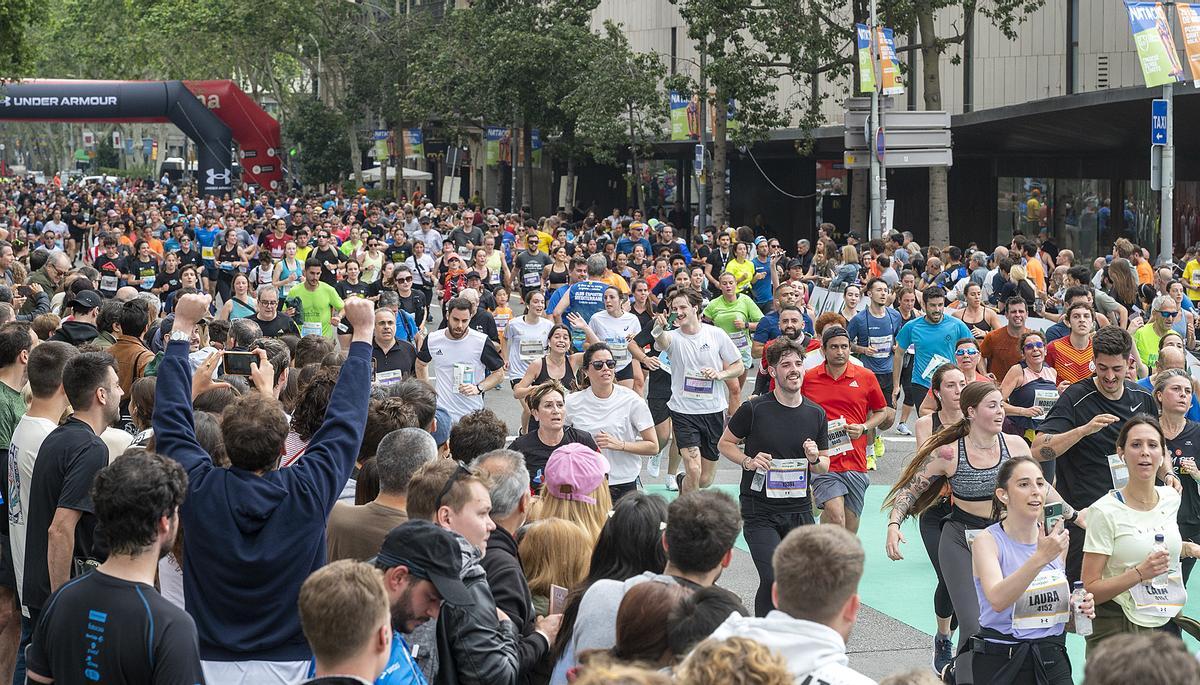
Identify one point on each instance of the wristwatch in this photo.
(181, 335)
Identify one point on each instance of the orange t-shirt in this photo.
(1070, 364)
(1037, 274)
(1145, 272)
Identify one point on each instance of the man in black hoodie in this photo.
(509, 490)
(81, 328)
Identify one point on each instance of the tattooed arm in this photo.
(1048, 446)
(939, 463)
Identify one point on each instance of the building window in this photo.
(1073, 211)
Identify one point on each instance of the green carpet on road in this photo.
(904, 589)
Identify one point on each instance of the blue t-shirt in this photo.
(587, 298)
(207, 237)
(768, 327)
(877, 333)
(400, 669)
(934, 344)
(625, 245)
(761, 290)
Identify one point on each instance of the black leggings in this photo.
(763, 530)
(955, 558)
(1052, 654)
(931, 534)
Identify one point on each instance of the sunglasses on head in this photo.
(597, 365)
(459, 473)
(1034, 345)
(966, 351)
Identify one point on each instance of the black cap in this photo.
(429, 552)
(833, 332)
(473, 274)
(86, 298)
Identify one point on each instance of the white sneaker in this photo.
(902, 429)
(671, 484)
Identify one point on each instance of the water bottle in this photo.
(1083, 624)
(760, 479)
(1159, 581)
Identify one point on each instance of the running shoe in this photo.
(879, 447)
(943, 653)
(679, 480)
(870, 462)
(902, 429)
(671, 484)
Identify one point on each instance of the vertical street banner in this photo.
(147, 146)
(1189, 20)
(129, 146)
(381, 148)
(116, 137)
(89, 139)
(1155, 46)
(679, 116)
(889, 68)
(866, 66)
(414, 143)
(535, 142)
(493, 136)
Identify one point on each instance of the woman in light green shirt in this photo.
(737, 315)
(1136, 588)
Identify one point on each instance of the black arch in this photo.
(125, 101)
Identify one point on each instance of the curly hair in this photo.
(735, 661)
(309, 413)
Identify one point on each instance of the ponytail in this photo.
(948, 435)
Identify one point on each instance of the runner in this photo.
(933, 339)
(614, 327)
(873, 338)
(737, 315)
(1071, 356)
(1173, 392)
(1030, 389)
(906, 302)
(546, 403)
(701, 356)
(853, 404)
(320, 301)
(584, 298)
(465, 363)
(776, 463)
(1001, 348)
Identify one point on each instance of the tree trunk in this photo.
(939, 208)
(569, 191)
(633, 158)
(355, 152)
(527, 166)
(860, 200)
(720, 157)
(512, 165)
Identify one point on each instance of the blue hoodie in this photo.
(250, 541)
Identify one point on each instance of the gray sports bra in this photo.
(971, 484)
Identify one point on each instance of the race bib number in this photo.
(206, 252)
(1044, 400)
(1157, 602)
(464, 374)
(1119, 471)
(1045, 603)
(881, 346)
(494, 279)
(531, 279)
(502, 323)
(1196, 279)
(310, 328)
(839, 438)
(619, 349)
(529, 350)
(388, 377)
(787, 478)
(698, 386)
(934, 364)
(147, 282)
(108, 282)
(740, 339)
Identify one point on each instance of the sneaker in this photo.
(902, 429)
(679, 480)
(671, 483)
(870, 462)
(943, 653)
(878, 447)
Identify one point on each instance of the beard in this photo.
(401, 611)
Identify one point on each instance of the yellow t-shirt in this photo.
(1191, 279)
(614, 279)
(743, 272)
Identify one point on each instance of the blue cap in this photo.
(441, 432)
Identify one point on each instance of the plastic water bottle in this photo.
(760, 479)
(1083, 624)
(1159, 581)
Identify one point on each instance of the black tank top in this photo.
(982, 324)
(557, 278)
(568, 380)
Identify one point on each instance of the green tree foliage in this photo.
(319, 133)
(17, 19)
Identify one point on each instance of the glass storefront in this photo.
(1074, 212)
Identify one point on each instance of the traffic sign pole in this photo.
(873, 132)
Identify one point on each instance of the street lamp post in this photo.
(1167, 209)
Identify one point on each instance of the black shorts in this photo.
(76, 234)
(885, 384)
(658, 408)
(625, 374)
(699, 430)
(918, 394)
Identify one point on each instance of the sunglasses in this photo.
(459, 473)
(598, 365)
(1034, 345)
(406, 279)
(966, 351)
(1168, 315)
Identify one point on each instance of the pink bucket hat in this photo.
(577, 466)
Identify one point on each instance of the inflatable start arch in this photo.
(213, 114)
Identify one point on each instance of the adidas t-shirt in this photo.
(709, 347)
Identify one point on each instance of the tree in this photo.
(17, 19)
(319, 133)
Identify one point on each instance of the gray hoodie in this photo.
(810, 649)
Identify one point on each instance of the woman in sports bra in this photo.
(558, 271)
(1030, 388)
(946, 387)
(967, 454)
(556, 365)
(288, 271)
(978, 318)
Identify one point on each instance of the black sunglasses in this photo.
(459, 473)
(597, 365)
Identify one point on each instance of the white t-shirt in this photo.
(623, 415)
(455, 362)
(613, 331)
(526, 342)
(27, 439)
(691, 393)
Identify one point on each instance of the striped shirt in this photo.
(1070, 364)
